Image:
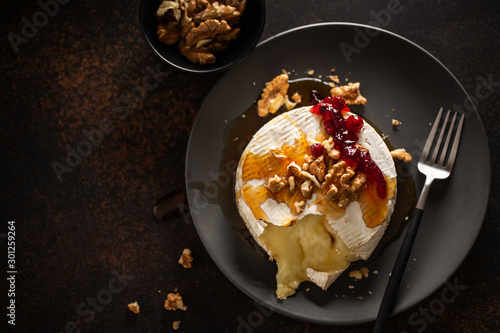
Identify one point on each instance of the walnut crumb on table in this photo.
(174, 302)
(186, 259)
(176, 324)
(134, 307)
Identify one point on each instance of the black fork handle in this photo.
(397, 272)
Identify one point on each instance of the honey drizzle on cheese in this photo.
(259, 166)
(374, 209)
(265, 165)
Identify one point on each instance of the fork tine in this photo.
(447, 142)
(454, 148)
(438, 143)
(430, 139)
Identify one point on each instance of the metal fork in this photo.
(432, 168)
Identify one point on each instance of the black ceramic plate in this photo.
(401, 81)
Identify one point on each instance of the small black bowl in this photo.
(251, 23)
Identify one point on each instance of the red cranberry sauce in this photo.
(345, 135)
(317, 149)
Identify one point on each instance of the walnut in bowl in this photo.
(202, 36)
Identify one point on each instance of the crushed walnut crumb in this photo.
(396, 122)
(186, 259)
(296, 97)
(334, 78)
(356, 274)
(359, 274)
(176, 324)
(174, 302)
(134, 307)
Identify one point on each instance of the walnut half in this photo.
(273, 95)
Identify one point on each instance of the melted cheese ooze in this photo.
(325, 238)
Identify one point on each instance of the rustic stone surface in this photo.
(75, 235)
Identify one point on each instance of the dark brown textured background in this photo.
(74, 236)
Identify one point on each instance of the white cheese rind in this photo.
(286, 129)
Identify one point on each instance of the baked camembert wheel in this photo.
(316, 187)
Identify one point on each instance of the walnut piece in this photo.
(218, 11)
(330, 149)
(174, 302)
(186, 259)
(291, 184)
(318, 168)
(288, 221)
(359, 274)
(277, 153)
(296, 97)
(294, 169)
(350, 93)
(169, 33)
(396, 122)
(356, 274)
(308, 160)
(306, 188)
(196, 55)
(289, 104)
(176, 324)
(331, 192)
(401, 155)
(206, 31)
(299, 206)
(273, 95)
(134, 307)
(311, 177)
(334, 78)
(166, 6)
(275, 184)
